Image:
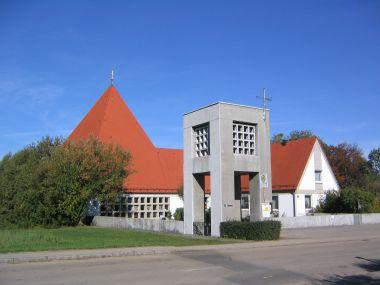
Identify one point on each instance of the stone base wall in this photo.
(155, 225)
(328, 220)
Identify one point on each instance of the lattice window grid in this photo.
(243, 138)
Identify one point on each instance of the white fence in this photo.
(154, 225)
(328, 220)
(173, 226)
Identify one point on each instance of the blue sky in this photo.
(319, 60)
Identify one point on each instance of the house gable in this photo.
(317, 161)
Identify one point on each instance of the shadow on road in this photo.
(242, 272)
(370, 265)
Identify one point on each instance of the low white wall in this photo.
(171, 226)
(328, 220)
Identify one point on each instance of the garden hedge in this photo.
(261, 230)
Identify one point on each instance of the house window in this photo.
(274, 202)
(318, 175)
(245, 202)
(243, 138)
(201, 141)
(307, 201)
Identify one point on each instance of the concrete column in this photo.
(188, 181)
(215, 178)
(199, 198)
(255, 197)
(265, 158)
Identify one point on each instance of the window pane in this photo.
(318, 175)
(307, 201)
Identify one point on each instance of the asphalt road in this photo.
(327, 260)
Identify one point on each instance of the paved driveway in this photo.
(340, 255)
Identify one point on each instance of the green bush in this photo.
(261, 230)
(178, 214)
(349, 200)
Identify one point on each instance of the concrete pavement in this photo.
(341, 255)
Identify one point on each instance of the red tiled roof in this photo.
(110, 120)
(160, 170)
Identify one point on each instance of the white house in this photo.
(301, 176)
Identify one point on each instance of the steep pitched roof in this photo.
(110, 120)
(289, 161)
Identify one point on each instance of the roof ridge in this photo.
(106, 104)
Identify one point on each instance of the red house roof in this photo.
(289, 161)
(160, 170)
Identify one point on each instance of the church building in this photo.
(301, 173)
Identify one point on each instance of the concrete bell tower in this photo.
(225, 141)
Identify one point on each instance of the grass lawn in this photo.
(16, 240)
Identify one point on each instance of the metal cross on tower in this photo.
(265, 99)
(112, 76)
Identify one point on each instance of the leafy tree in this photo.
(372, 184)
(51, 183)
(82, 171)
(374, 160)
(295, 135)
(348, 164)
(278, 138)
(21, 190)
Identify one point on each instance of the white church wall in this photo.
(175, 202)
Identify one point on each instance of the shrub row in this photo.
(261, 230)
(348, 200)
